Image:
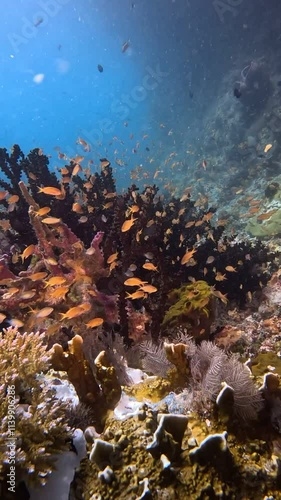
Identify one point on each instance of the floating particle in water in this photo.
(39, 78)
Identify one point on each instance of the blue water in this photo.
(160, 87)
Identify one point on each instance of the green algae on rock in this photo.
(267, 228)
(260, 364)
(153, 389)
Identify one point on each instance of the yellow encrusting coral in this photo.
(192, 306)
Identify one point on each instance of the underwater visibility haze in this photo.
(140, 226)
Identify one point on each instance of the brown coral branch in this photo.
(107, 377)
(77, 368)
(27, 196)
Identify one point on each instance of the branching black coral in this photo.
(144, 235)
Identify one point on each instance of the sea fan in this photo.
(247, 399)
(79, 416)
(183, 337)
(154, 360)
(213, 379)
(207, 358)
(210, 366)
(115, 350)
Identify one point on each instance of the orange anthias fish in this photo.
(187, 256)
(267, 148)
(55, 280)
(267, 215)
(220, 296)
(107, 205)
(190, 224)
(76, 207)
(73, 312)
(27, 252)
(230, 269)
(77, 169)
(104, 163)
(59, 292)
(220, 277)
(110, 195)
(149, 266)
(10, 292)
(134, 209)
(42, 211)
(134, 282)
(37, 276)
(93, 323)
(17, 323)
(77, 159)
(148, 288)
(86, 146)
(51, 191)
(27, 295)
(208, 216)
(112, 258)
(3, 195)
(46, 311)
(126, 226)
(139, 294)
(13, 199)
(51, 220)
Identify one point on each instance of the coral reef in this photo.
(33, 428)
(125, 463)
(72, 272)
(149, 240)
(117, 282)
(255, 87)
